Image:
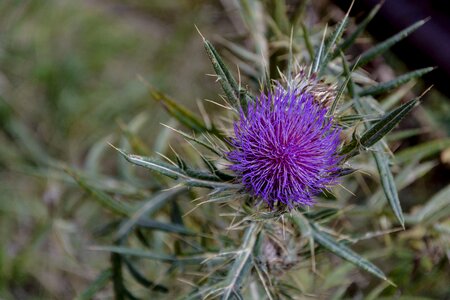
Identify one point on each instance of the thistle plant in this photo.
(248, 206)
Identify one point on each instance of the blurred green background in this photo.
(71, 74)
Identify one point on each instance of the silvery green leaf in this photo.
(331, 42)
(182, 114)
(149, 207)
(387, 182)
(359, 29)
(422, 151)
(344, 252)
(396, 82)
(166, 258)
(141, 279)
(384, 46)
(307, 40)
(405, 177)
(190, 178)
(102, 198)
(404, 134)
(242, 263)
(436, 208)
(237, 96)
(375, 134)
(386, 123)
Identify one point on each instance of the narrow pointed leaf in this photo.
(155, 165)
(392, 84)
(102, 198)
(331, 43)
(372, 136)
(236, 95)
(407, 176)
(280, 17)
(184, 260)
(140, 278)
(190, 178)
(344, 252)
(359, 29)
(194, 139)
(307, 40)
(388, 183)
(240, 51)
(319, 54)
(404, 134)
(382, 160)
(182, 114)
(436, 208)
(167, 227)
(387, 123)
(340, 91)
(384, 46)
(242, 263)
(422, 151)
(148, 208)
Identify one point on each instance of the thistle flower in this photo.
(285, 148)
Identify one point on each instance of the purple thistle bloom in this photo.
(285, 148)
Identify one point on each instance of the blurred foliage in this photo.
(69, 76)
(69, 85)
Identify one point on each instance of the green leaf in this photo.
(388, 183)
(242, 263)
(239, 51)
(387, 86)
(148, 208)
(102, 198)
(142, 280)
(405, 177)
(194, 139)
(341, 90)
(236, 95)
(182, 114)
(436, 208)
(167, 227)
(279, 15)
(359, 29)
(422, 151)
(183, 260)
(387, 123)
(332, 40)
(307, 40)
(319, 54)
(384, 46)
(404, 134)
(380, 128)
(373, 135)
(382, 160)
(344, 252)
(191, 178)
(155, 165)
(100, 282)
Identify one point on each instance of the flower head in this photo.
(285, 148)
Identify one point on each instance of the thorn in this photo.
(350, 8)
(426, 91)
(198, 30)
(117, 149)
